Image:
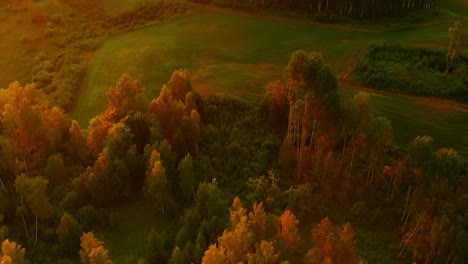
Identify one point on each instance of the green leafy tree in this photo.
(456, 38)
(69, 232)
(158, 247)
(32, 193)
(187, 177)
(157, 188)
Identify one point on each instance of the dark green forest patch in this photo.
(415, 71)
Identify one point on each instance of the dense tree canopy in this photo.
(286, 165)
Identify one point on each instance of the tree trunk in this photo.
(35, 238)
(372, 171)
(289, 137)
(343, 152)
(25, 228)
(410, 236)
(3, 185)
(448, 64)
(317, 155)
(312, 132)
(406, 220)
(369, 168)
(389, 186)
(351, 164)
(298, 144)
(392, 194)
(406, 204)
(24, 221)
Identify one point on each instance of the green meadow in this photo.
(236, 55)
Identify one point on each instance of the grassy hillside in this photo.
(235, 55)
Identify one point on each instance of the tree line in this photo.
(351, 8)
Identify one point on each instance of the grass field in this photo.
(445, 121)
(236, 55)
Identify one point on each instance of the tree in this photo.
(158, 247)
(32, 125)
(258, 221)
(277, 93)
(288, 229)
(92, 250)
(325, 244)
(8, 166)
(115, 172)
(97, 132)
(32, 191)
(187, 177)
(180, 84)
(69, 232)
(214, 255)
(347, 245)
(358, 116)
(176, 109)
(265, 253)
(56, 172)
(169, 161)
(237, 212)
(127, 97)
(238, 242)
(156, 187)
(456, 38)
(77, 148)
(313, 100)
(12, 253)
(379, 136)
(448, 165)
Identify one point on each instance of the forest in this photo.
(130, 133)
(351, 8)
